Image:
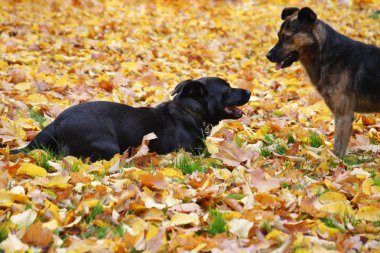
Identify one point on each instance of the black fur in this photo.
(100, 130)
(307, 15)
(288, 11)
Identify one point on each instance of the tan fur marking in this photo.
(319, 33)
(294, 16)
(302, 39)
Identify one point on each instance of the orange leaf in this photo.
(106, 85)
(153, 181)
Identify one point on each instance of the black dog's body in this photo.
(100, 130)
(345, 72)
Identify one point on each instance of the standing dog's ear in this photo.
(307, 16)
(190, 88)
(288, 11)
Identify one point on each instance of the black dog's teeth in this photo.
(234, 111)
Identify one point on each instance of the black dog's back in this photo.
(46, 139)
(100, 130)
(86, 127)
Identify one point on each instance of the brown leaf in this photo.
(294, 149)
(368, 120)
(38, 236)
(263, 182)
(233, 204)
(46, 69)
(232, 155)
(299, 226)
(307, 206)
(106, 85)
(17, 76)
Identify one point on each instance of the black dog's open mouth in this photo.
(292, 57)
(233, 112)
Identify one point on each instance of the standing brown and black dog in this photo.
(345, 72)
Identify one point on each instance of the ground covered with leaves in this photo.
(267, 183)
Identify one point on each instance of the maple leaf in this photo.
(263, 182)
(232, 155)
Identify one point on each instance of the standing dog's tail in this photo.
(46, 139)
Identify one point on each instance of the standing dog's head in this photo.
(295, 38)
(212, 97)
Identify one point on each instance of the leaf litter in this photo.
(268, 182)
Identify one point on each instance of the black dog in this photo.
(345, 72)
(100, 130)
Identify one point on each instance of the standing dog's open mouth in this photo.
(292, 57)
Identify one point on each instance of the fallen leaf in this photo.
(38, 236)
(156, 181)
(368, 213)
(240, 227)
(31, 169)
(182, 219)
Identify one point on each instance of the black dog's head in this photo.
(212, 97)
(295, 36)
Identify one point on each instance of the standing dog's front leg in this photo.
(343, 128)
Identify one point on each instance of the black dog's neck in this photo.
(195, 119)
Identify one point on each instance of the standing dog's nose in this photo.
(270, 55)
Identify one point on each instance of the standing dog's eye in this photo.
(285, 37)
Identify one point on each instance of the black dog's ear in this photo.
(288, 11)
(190, 88)
(307, 15)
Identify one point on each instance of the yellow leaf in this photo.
(31, 170)
(366, 185)
(329, 197)
(171, 172)
(183, 219)
(224, 173)
(375, 189)
(8, 198)
(369, 213)
(3, 64)
(323, 229)
(231, 215)
(22, 86)
(277, 235)
(128, 67)
(63, 81)
(59, 182)
(87, 203)
(37, 98)
(52, 208)
(212, 144)
(152, 232)
(337, 208)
